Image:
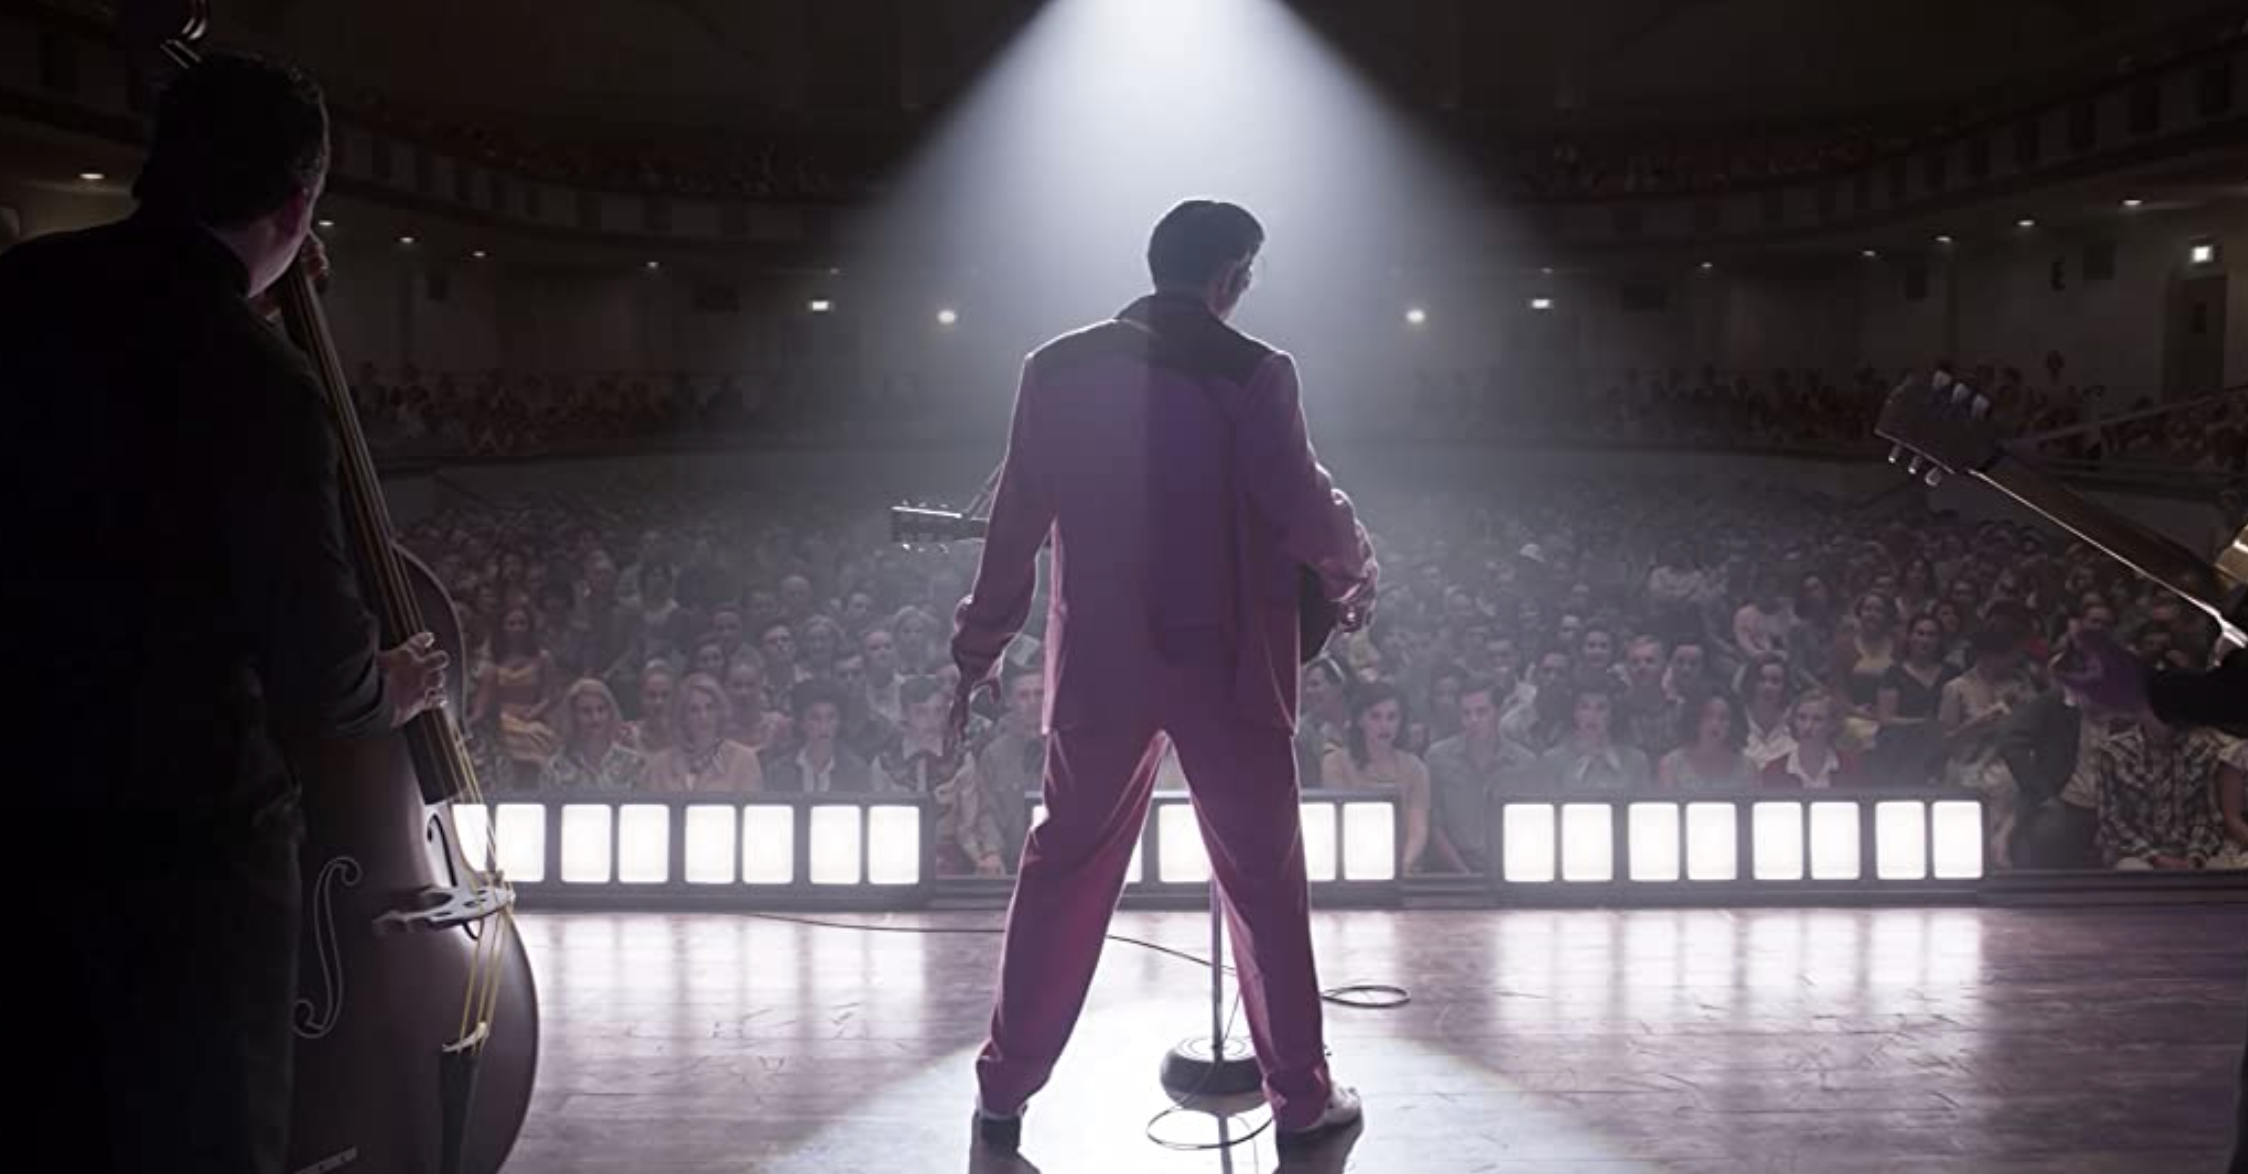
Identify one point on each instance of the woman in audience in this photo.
(662, 620)
(1973, 713)
(650, 733)
(1917, 590)
(919, 649)
(1816, 762)
(709, 658)
(820, 643)
(1370, 760)
(755, 724)
(1910, 746)
(1322, 722)
(1765, 702)
(702, 759)
(1864, 656)
(1713, 760)
(1590, 758)
(512, 695)
(592, 758)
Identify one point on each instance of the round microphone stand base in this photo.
(1190, 1070)
(1213, 1066)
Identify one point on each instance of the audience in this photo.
(1523, 647)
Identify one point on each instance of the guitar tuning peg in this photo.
(1980, 409)
(1896, 454)
(1935, 476)
(1914, 466)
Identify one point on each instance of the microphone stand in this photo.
(1214, 1067)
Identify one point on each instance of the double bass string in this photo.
(436, 733)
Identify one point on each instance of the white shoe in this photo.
(1344, 1111)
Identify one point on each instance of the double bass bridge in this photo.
(449, 908)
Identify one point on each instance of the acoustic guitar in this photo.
(1317, 617)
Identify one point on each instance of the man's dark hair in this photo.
(235, 137)
(1197, 239)
(807, 694)
(917, 690)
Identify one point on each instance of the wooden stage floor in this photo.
(1828, 1040)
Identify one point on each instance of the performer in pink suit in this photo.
(1166, 456)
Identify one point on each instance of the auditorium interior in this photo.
(1702, 794)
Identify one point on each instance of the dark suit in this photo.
(180, 588)
(2040, 743)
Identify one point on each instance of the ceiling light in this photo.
(948, 317)
(819, 305)
(478, 254)
(1943, 239)
(2133, 202)
(1869, 254)
(327, 224)
(1541, 303)
(1708, 265)
(92, 176)
(405, 240)
(1415, 316)
(655, 264)
(2025, 222)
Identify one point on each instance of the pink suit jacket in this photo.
(1166, 455)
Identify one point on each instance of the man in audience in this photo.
(1467, 769)
(817, 764)
(920, 762)
(1650, 715)
(880, 649)
(2157, 805)
(1012, 763)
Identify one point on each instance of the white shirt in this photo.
(1764, 747)
(1818, 780)
(817, 780)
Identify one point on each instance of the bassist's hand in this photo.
(413, 678)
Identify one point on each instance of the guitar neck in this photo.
(2158, 558)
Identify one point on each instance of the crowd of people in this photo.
(1649, 637)
(497, 414)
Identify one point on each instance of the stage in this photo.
(1912, 1039)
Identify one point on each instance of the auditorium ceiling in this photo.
(729, 63)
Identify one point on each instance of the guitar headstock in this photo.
(916, 525)
(1940, 428)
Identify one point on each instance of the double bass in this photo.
(416, 1019)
